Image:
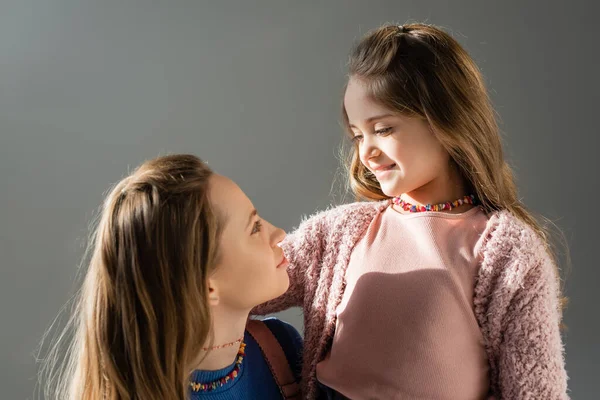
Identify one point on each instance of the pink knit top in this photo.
(515, 298)
(406, 326)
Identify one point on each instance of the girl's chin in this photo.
(390, 191)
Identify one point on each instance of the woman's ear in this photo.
(213, 293)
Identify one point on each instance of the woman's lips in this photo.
(284, 262)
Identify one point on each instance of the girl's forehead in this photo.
(360, 106)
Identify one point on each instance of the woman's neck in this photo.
(227, 327)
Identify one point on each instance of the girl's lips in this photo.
(383, 171)
(381, 168)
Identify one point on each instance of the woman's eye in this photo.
(257, 227)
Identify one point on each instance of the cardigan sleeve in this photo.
(530, 357)
(304, 250)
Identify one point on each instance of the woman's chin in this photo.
(283, 286)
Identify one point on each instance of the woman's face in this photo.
(251, 268)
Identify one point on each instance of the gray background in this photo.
(89, 89)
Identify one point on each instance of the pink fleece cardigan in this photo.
(516, 298)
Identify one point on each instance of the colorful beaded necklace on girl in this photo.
(210, 386)
(471, 199)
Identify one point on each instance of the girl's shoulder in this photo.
(511, 247)
(505, 231)
(342, 217)
(368, 208)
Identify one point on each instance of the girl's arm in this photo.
(304, 249)
(530, 359)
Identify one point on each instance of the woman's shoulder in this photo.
(290, 340)
(282, 329)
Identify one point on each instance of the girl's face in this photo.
(251, 267)
(402, 152)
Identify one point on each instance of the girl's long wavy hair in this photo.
(142, 316)
(420, 71)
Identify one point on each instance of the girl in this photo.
(443, 285)
(179, 260)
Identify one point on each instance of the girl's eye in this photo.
(357, 138)
(383, 131)
(380, 132)
(257, 227)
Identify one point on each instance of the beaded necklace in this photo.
(471, 199)
(222, 346)
(210, 386)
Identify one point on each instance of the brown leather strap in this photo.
(276, 359)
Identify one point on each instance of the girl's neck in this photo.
(227, 327)
(444, 188)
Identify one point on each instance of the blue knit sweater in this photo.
(255, 380)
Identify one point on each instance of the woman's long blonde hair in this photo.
(421, 71)
(142, 316)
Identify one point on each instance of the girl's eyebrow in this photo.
(368, 120)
